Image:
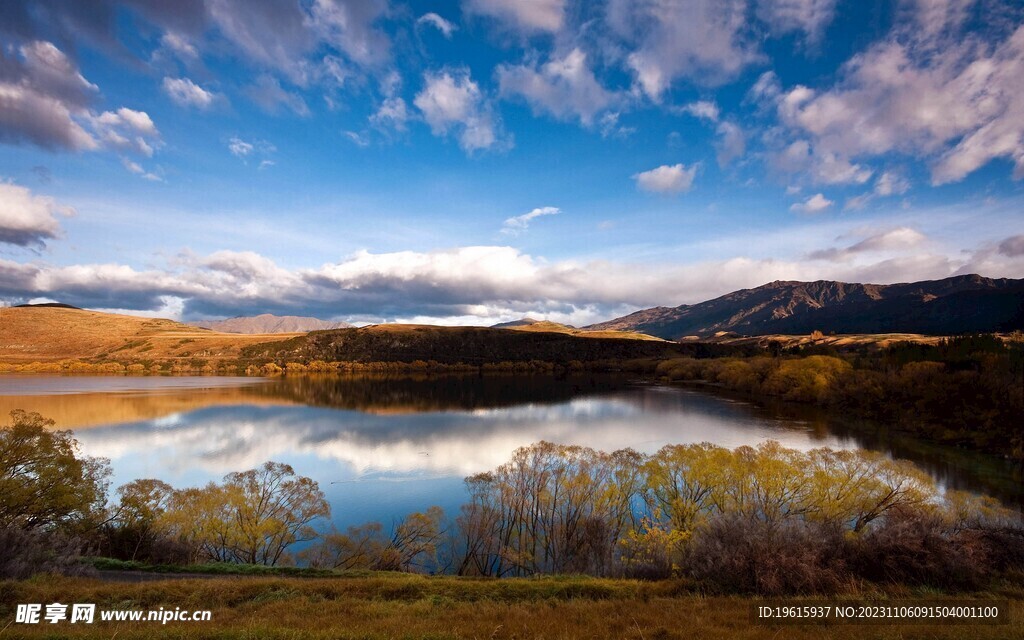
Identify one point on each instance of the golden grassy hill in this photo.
(843, 341)
(48, 334)
(554, 327)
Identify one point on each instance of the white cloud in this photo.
(356, 138)
(703, 109)
(933, 17)
(136, 168)
(126, 130)
(528, 16)
(446, 28)
(957, 105)
(348, 26)
(819, 167)
(856, 203)
(890, 183)
(451, 101)
(271, 34)
(392, 113)
(900, 238)
(243, 149)
(179, 46)
(28, 220)
(44, 99)
(186, 93)
(483, 282)
(676, 178)
(563, 87)
(706, 41)
(809, 16)
(268, 93)
(731, 143)
(518, 224)
(766, 88)
(1012, 246)
(814, 204)
(239, 147)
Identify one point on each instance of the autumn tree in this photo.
(137, 522)
(270, 509)
(44, 483)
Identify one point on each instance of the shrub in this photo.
(916, 547)
(28, 552)
(743, 554)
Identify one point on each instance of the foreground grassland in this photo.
(410, 606)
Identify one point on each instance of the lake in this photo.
(382, 448)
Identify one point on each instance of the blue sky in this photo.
(477, 161)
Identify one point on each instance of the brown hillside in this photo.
(47, 334)
(554, 327)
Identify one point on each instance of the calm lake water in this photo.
(382, 448)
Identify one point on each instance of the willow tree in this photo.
(44, 482)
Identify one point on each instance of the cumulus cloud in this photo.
(888, 240)
(481, 282)
(1012, 247)
(703, 109)
(475, 284)
(705, 41)
(564, 87)
(26, 219)
(44, 99)
(527, 16)
(818, 166)
(814, 204)
(676, 178)
(518, 224)
(451, 102)
(958, 105)
(126, 130)
(186, 93)
(446, 28)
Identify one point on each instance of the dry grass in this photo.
(554, 327)
(403, 606)
(48, 334)
(874, 340)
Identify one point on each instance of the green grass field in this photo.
(372, 605)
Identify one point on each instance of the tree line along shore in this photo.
(965, 391)
(761, 520)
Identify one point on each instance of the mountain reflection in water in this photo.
(381, 447)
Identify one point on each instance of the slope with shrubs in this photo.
(463, 345)
(966, 391)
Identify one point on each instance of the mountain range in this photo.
(959, 304)
(269, 323)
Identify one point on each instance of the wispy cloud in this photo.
(518, 224)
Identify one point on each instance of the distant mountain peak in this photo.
(958, 304)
